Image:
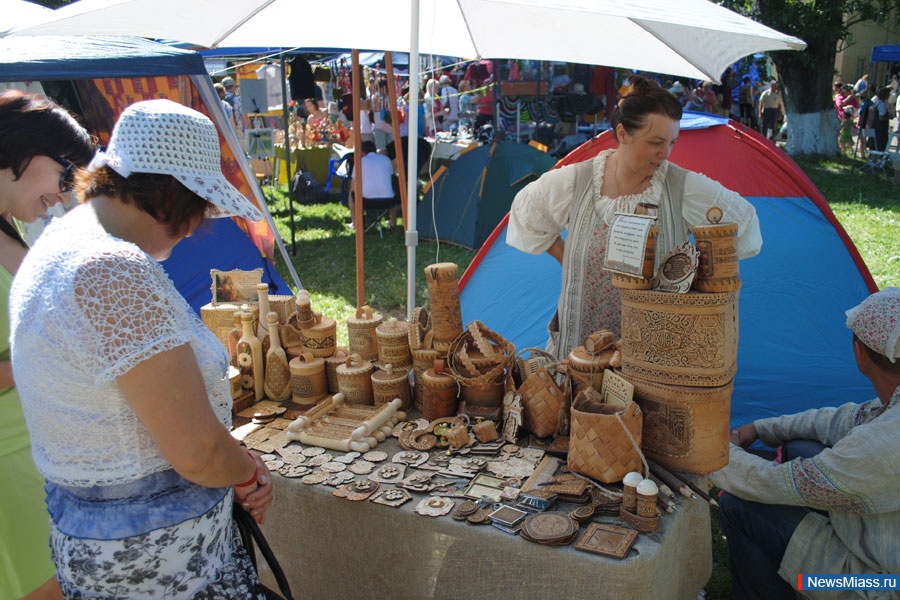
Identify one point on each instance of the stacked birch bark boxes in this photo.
(679, 350)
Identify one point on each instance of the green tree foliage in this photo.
(807, 76)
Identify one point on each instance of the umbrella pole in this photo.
(412, 236)
(395, 123)
(357, 88)
(287, 153)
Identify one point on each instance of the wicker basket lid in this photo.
(393, 328)
(581, 360)
(390, 374)
(355, 365)
(365, 317)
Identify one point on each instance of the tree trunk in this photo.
(813, 133)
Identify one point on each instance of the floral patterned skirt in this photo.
(199, 557)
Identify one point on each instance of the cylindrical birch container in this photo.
(361, 332)
(439, 393)
(423, 359)
(307, 379)
(320, 337)
(331, 364)
(389, 383)
(393, 344)
(446, 311)
(719, 269)
(355, 380)
(645, 281)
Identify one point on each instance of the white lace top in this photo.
(85, 308)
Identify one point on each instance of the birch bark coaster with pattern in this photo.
(606, 539)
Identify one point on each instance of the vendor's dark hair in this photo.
(880, 360)
(161, 196)
(33, 125)
(645, 98)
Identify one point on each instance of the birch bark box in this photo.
(219, 318)
(680, 339)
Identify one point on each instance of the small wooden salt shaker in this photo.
(629, 491)
(646, 498)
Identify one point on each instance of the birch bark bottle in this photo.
(250, 358)
(262, 292)
(233, 336)
(278, 373)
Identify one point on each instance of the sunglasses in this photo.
(66, 179)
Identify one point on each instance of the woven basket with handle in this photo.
(604, 439)
(543, 401)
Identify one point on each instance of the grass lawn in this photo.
(868, 207)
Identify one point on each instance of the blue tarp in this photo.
(889, 53)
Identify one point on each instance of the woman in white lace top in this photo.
(40, 146)
(635, 177)
(124, 389)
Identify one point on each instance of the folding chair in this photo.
(375, 210)
(875, 159)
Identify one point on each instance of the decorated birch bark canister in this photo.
(423, 359)
(308, 383)
(355, 380)
(393, 344)
(389, 383)
(446, 311)
(320, 337)
(361, 332)
(686, 429)
(278, 374)
(685, 339)
(331, 364)
(439, 391)
(585, 369)
(645, 282)
(719, 269)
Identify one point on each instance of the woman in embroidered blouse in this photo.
(634, 177)
(124, 390)
(41, 146)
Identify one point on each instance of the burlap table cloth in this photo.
(332, 548)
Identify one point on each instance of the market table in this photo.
(313, 160)
(334, 548)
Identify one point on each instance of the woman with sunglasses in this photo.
(40, 147)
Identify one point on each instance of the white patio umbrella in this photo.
(19, 13)
(691, 38)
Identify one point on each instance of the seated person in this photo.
(423, 150)
(377, 188)
(832, 505)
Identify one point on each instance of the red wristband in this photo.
(253, 478)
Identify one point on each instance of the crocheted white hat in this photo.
(164, 137)
(876, 321)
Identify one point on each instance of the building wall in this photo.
(853, 61)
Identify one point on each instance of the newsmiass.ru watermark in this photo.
(847, 582)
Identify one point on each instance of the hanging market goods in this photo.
(544, 404)
(331, 364)
(719, 269)
(685, 428)
(277, 383)
(680, 339)
(604, 439)
(389, 383)
(250, 358)
(439, 396)
(355, 380)
(361, 332)
(478, 358)
(335, 425)
(446, 311)
(319, 338)
(308, 383)
(393, 343)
